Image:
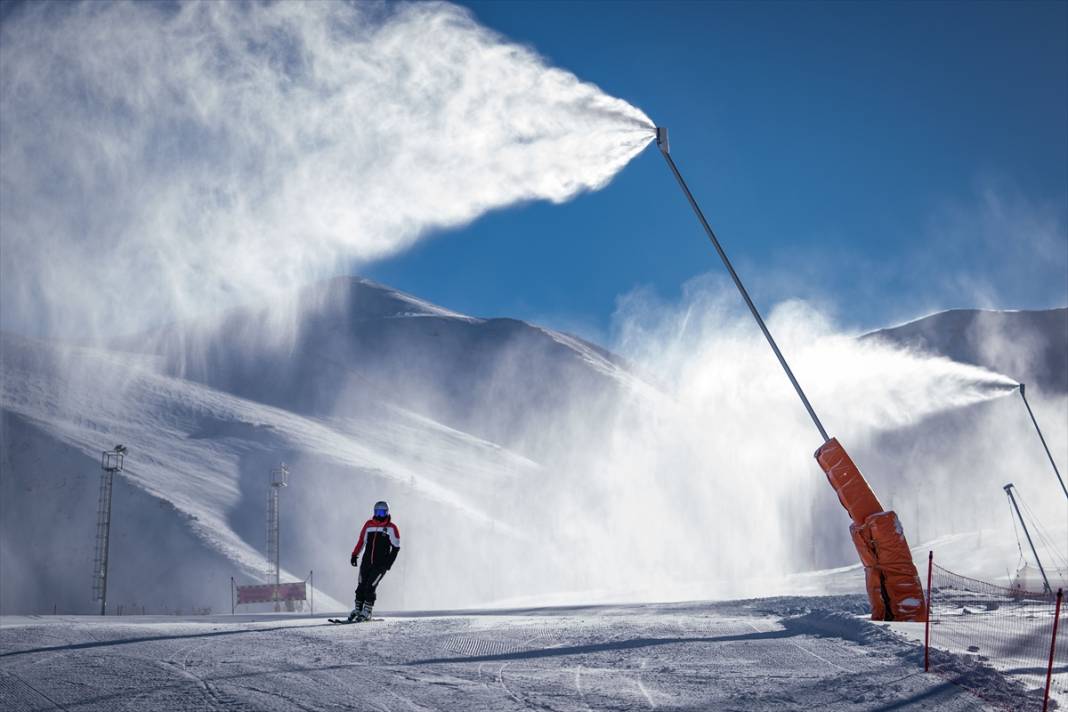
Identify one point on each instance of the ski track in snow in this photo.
(712, 656)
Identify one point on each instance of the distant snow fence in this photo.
(985, 626)
(291, 594)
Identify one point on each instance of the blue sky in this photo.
(883, 160)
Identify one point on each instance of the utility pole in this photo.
(279, 479)
(111, 461)
(1045, 581)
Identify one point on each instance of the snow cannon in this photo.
(893, 584)
(662, 139)
(890, 576)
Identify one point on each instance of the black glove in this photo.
(354, 560)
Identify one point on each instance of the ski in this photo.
(345, 621)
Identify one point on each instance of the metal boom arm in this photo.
(1043, 439)
(1034, 552)
(893, 585)
(662, 142)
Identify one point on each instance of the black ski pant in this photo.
(370, 577)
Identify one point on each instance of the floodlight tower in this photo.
(279, 479)
(110, 463)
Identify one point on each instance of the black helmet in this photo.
(381, 510)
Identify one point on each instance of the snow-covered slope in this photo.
(523, 464)
(361, 403)
(202, 455)
(748, 656)
(1029, 346)
(356, 340)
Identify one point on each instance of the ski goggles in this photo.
(381, 512)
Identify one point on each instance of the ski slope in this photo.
(782, 654)
(496, 442)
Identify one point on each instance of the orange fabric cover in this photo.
(890, 577)
(873, 582)
(872, 578)
(862, 541)
(900, 578)
(853, 490)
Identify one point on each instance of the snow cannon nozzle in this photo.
(662, 139)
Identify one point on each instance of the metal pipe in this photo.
(662, 143)
(1044, 445)
(1045, 581)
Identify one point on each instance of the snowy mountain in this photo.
(383, 345)
(376, 394)
(1029, 346)
(955, 463)
(523, 464)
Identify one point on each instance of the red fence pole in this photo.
(927, 620)
(1052, 647)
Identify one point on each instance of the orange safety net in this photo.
(890, 577)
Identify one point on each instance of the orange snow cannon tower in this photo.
(890, 576)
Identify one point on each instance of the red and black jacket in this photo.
(380, 540)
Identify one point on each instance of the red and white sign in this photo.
(267, 593)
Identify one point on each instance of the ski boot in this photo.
(365, 613)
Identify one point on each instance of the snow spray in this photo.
(162, 161)
(714, 464)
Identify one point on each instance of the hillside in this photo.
(356, 341)
(522, 463)
(1028, 346)
(378, 395)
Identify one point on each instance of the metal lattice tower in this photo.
(110, 463)
(279, 479)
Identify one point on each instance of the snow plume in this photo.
(712, 490)
(162, 160)
(710, 351)
(522, 465)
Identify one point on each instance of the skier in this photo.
(380, 541)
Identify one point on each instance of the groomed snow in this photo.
(782, 654)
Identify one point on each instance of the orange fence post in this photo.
(1052, 647)
(927, 624)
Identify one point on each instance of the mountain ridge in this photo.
(377, 394)
(983, 337)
